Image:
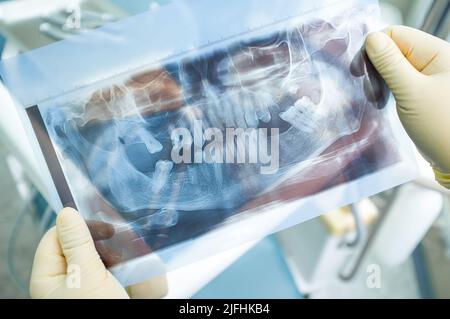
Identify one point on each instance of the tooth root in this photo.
(302, 115)
(161, 175)
(192, 175)
(152, 144)
(239, 115)
(212, 106)
(137, 134)
(248, 105)
(212, 118)
(216, 115)
(218, 173)
(251, 118)
(227, 103)
(142, 223)
(264, 115)
(163, 218)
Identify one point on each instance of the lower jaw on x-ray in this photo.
(180, 149)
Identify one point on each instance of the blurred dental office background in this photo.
(393, 245)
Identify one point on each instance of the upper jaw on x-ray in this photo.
(304, 80)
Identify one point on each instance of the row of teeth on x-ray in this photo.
(298, 81)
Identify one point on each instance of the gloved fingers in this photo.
(442, 178)
(100, 230)
(390, 62)
(153, 288)
(77, 243)
(156, 286)
(428, 54)
(49, 260)
(109, 256)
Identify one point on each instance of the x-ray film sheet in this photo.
(205, 124)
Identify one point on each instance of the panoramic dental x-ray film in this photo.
(201, 125)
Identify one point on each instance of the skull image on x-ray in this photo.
(311, 82)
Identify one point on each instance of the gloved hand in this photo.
(67, 265)
(416, 67)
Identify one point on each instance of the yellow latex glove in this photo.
(67, 265)
(416, 67)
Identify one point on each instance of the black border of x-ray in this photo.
(49, 153)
